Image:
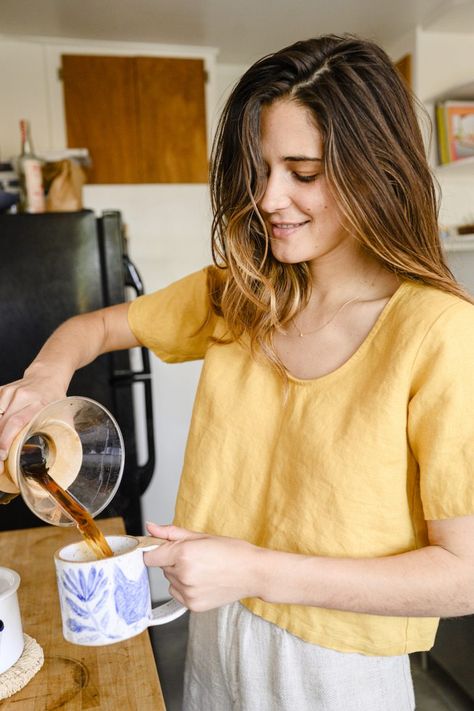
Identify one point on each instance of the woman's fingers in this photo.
(12, 422)
(7, 393)
(174, 592)
(20, 401)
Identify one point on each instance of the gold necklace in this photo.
(320, 328)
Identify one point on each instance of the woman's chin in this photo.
(288, 257)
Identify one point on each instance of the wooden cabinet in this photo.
(404, 66)
(142, 118)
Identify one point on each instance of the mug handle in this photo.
(167, 611)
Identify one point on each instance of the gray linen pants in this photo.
(237, 661)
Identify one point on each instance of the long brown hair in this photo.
(374, 160)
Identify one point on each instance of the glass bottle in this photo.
(29, 170)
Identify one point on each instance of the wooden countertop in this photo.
(117, 676)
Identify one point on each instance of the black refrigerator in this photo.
(53, 266)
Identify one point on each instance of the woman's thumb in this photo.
(170, 532)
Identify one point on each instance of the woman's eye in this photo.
(306, 178)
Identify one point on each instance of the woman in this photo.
(327, 479)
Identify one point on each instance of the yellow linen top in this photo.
(347, 465)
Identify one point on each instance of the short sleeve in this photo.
(441, 414)
(175, 322)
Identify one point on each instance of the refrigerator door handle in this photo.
(131, 376)
(144, 471)
(132, 277)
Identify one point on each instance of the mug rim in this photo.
(14, 582)
(58, 557)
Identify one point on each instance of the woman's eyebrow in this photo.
(302, 159)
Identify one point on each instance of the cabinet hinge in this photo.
(60, 73)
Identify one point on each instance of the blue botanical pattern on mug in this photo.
(132, 597)
(89, 602)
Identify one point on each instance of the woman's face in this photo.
(302, 218)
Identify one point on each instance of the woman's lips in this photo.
(285, 229)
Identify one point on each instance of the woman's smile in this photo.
(280, 230)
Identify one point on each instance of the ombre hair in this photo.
(373, 158)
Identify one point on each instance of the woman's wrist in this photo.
(284, 577)
(57, 373)
(270, 574)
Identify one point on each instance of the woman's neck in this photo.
(338, 280)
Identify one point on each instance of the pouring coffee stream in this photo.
(33, 464)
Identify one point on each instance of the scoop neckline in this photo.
(359, 352)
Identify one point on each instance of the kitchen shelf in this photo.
(456, 166)
(463, 243)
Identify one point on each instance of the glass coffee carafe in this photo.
(78, 444)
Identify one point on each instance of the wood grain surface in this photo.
(143, 119)
(117, 676)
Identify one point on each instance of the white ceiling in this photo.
(241, 29)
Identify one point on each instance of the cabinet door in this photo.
(142, 118)
(99, 103)
(171, 120)
(404, 67)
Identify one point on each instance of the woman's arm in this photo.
(435, 581)
(73, 345)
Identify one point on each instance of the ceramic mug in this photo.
(108, 600)
(11, 631)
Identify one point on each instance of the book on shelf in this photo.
(455, 130)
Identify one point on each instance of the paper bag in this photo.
(63, 181)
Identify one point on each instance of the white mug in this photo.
(11, 631)
(108, 600)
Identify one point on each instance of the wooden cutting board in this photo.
(117, 676)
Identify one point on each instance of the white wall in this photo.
(24, 94)
(445, 59)
(227, 76)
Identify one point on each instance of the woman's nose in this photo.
(276, 196)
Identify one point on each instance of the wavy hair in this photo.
(375, 163)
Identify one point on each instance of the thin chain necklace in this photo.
(320, 328)
(302, 334)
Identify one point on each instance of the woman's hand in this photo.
(205, 571)
(20, 401)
